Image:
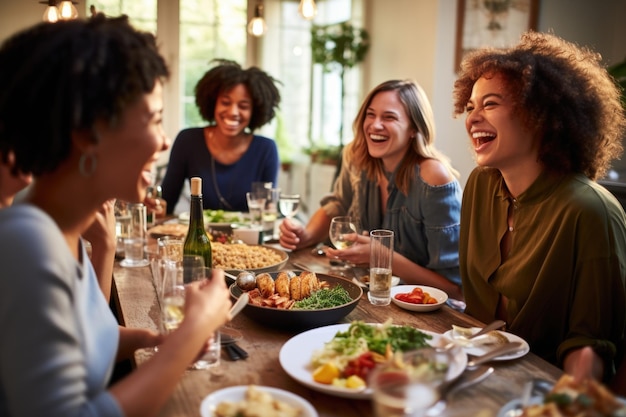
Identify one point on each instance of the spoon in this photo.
(246, 280)
(242, 301)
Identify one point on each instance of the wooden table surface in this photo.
(138, 307)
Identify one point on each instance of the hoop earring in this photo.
(87, 165)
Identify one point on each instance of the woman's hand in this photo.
(101, 233)
(358, 253)
(290, 232)
(208, 302)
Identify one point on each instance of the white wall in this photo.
(416, 39)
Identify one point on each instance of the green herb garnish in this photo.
(324, 298)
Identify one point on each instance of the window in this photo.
(208, 29)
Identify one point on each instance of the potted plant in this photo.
(339, 47)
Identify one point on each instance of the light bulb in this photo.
(257, 26)
(67, 10)
(51, 14)
(307, 9)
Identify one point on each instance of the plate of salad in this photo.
(350, 345)
(215, 217)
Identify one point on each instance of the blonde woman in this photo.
(393, 177)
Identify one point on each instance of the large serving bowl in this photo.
(302, 319)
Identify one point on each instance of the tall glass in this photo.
(256, 205)
(342, 234)
(135, 242)
(381, 259)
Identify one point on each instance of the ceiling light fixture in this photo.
(257, 26)
(55, 10)
(307, 9)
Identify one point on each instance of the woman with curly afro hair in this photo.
(543, 246)
(226, 153)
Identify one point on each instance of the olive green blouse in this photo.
(564, 277)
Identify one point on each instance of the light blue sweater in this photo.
(59, 337)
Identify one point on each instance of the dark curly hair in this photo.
(60, 77)
(226, 75)
(561, 90)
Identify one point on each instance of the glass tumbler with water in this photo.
(381, 259)
(135, 242)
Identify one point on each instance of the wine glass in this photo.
(341, 234)
(289, 204)
(410, 384)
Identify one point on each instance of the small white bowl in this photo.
(436, 293)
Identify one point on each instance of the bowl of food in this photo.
(298, 299)
(418, 297)
(234, 257)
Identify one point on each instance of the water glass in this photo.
(135, 242)
(211, 356)
(410, 386)
(381, 259)
(271, 213)
(256, 205)
(170, 248)
(122, 223)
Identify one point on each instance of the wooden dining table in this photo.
(137, 305)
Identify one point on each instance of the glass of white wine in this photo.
(342, 233)
(289, 204)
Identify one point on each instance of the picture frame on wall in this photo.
(495, 23)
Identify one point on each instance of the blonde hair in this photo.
(422, 120)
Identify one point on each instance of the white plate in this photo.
(295, 359)
(237, 393)
(482, 349)
(507, 409)
(436, 293)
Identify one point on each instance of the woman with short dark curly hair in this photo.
(543, 246)
(226, 153)
(81, 106)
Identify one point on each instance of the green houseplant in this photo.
(338, 47)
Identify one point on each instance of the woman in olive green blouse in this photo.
(543, 246)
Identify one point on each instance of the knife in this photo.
(509, 347)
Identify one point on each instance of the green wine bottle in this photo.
(197, 241)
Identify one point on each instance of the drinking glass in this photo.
(342, 235)
(122, 224)
(381, 257)
(211, 356)
(135, 242)
(170, 248)
(289, 204)
(410, 386)
(174, 277)
(271, 213)
(256, 205)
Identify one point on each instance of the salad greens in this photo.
(400, 338)
(222, 216)
(324, 298)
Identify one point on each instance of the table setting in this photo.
(281, 323)
(272, 361)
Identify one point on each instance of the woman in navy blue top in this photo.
(226, 154)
